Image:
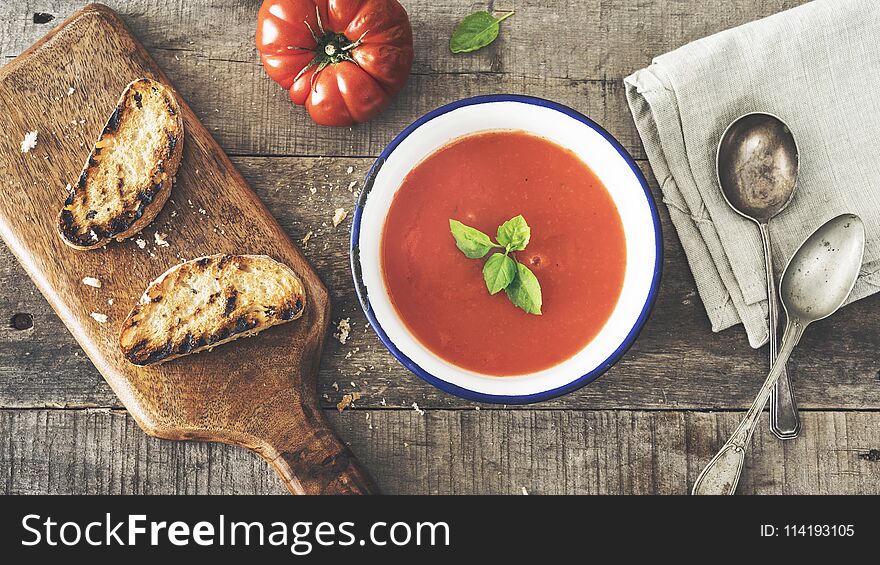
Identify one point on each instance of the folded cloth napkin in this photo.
(817, 67)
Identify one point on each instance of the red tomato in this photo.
(342, 59)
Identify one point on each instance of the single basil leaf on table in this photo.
(525, 290)
(475, 32)
(514, 234)
(498, 272)
(470, 241)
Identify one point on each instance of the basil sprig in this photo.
(502, 271)
(475, 32)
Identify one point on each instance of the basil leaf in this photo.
(525, 290)
(475, 32)
(514, 234)
(470, 241)
(498, 272)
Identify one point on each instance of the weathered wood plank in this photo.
(576, 53)
(449, 452)
(676, 364)
(577, 39)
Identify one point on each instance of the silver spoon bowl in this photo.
(816, 282)
(757, 166)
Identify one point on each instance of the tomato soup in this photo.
(577, 251)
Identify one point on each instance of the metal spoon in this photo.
(816, 282)
(757, 165)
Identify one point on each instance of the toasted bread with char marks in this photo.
(128, 175)
(207, 302)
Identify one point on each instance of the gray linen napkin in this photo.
(816, 66)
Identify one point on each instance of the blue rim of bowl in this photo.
(446, 386)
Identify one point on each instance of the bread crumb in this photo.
(98, 317)
(70, 90)
(140, 243)
(306, 238)
(351, 185)
(91, 281)
(347, 399)
(417, 409)
(344, 328)
(313, 190)
(110, 302)
(29, 142)
(160, 239)
(524, 491)
(339, 216)
(349, 170)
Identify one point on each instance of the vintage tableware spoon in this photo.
(816, 282)
(757, 165)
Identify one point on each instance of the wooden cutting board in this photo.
(260, 392)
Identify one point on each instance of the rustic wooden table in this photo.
(648, 426)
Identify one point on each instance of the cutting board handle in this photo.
(318, 463)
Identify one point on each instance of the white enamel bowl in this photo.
(601, 152)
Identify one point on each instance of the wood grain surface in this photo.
(575, 52)
(257, 393)
(450, 452)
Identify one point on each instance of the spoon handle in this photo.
(785, 423)
(722, 473)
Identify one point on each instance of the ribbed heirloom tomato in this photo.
(343, 59)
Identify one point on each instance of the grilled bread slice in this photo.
(209, 301)
(127, 177)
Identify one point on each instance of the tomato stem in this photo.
(315, 37)
(354, 44)
(320, 25)
(331, 49)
